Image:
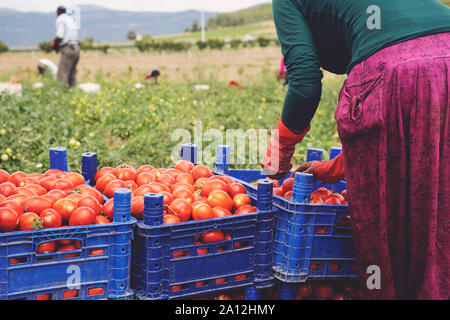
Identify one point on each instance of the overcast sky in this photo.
(135, 5)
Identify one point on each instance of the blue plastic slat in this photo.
(89, 167)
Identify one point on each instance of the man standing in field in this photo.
(66, 41)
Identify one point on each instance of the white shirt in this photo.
(66, 29)
(49, 64)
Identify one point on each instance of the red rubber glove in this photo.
(327, 171)
(277, 161)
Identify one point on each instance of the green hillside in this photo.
(250, 15)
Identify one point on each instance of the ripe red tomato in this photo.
(137, 207)
(47, 182)
(166, 179)
(168, 197)
(335, 198)
(185, 185)
(88, 190)
(144, 168)
(219, 212)
(157, 187)
(82, 216)
(200, 182)
(171, 219)
(288, 185)
(18, 198)
(37, 204)
(142, 190)
(212, 236)
(65, 207)
(51, 218)
(278, 192)
(182, 193)
(173, 172)
(338, 296)
(240, 200)
(9, 219)
(305, 290)
(16, 177)
(211, 185)
(222, 296)
(25, 191)
(68, 247)
(322, 192)
(104, 171)
(4, 175)
(52, 172)
(30, 221)
(125, 172)
(201, 171)
(50, 197)
(104, 180)
(46, 247)
(184, 166)
(28, 180)
(13, 205)
(237, 188)
(113, 186)
(75, 178)
(245, 209)
(345, 194)
(288, 195)
(181, 208)
(90, 202)
(185, 177)
(108, 209)
(219, 198)
(7, 188)
(62, 184)
(202, 211)
(101, 220)
(145, 178)
(323, 291)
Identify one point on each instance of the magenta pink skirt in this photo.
(393, 122)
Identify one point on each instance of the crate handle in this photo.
(89, 167)
(303, 187)
(223, 158)
(58, 158)
(122, 205)
(189, 152)
(264, 195)
(153, 209)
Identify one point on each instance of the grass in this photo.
(136, 126)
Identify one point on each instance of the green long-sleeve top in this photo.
(338, 34)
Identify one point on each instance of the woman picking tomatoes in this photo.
(393, 122)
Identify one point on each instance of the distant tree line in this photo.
(147, 44)
(3, 47)
(86, 45)
(238, 18)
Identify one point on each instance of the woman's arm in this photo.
(302, 64)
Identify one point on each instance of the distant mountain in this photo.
(19, 28)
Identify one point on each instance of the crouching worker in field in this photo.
(45, 66)
(66, 41)
(152, 79)
(393, 119)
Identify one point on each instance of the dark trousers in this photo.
(67, 69)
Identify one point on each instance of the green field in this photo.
(128, 125)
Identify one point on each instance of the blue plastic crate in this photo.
(99, 269)
(156, 272)
(300, 253)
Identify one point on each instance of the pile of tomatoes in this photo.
(191, 192)
(320, 196)
(49, 200)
